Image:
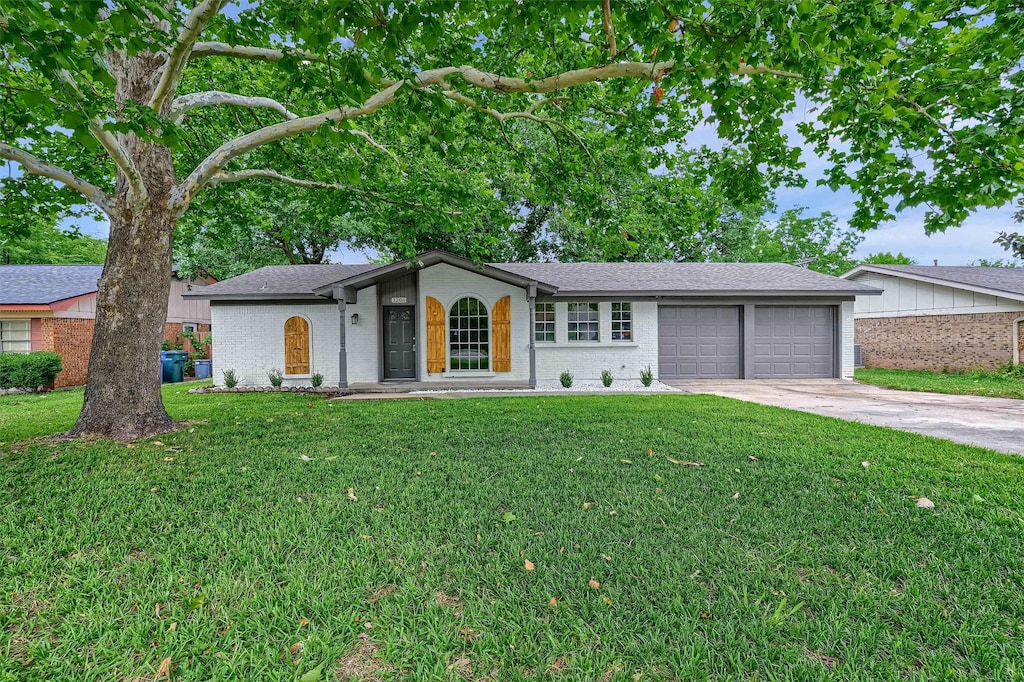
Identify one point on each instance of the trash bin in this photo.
(204, 368)
(163, 359)
(173, 364)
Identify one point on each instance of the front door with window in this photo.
(399, 342)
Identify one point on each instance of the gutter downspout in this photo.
(532, 293)
(1016, 340)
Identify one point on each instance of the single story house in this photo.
(939, 317)
(441, 319)
(53, 307)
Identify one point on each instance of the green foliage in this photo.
(230, 378)
(887, 258)
(34, 239)
(276, 378)
(606, 377)
(29, 371)
(201, 346)
(646, 376)
(317, 379)
(565, 378)
(1007, 382)
(996, 263)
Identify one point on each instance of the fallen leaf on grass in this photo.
(684, 463)
(303, 622)
(352, 495)
(579, 459)
(650, 452)
(553, 602)
(626, 461)
(736, 496)
(173, 627)
(154, 489)
(865, 464)
(586, 505)
(314, 675)
(752, 458)
(158, 443)
(593, 583)
(433, 454)
(607, 600)
(529, 565)
(925, 503)
(164, 670)
(168, 459)
(606, 557)
(305, 458)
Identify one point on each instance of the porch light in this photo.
(355, 318)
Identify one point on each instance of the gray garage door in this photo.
(794, 342)
(698, 342)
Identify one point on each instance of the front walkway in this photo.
(996, 423)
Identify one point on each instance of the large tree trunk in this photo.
(122, 392)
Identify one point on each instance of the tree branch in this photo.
(137, 192)
(373, 143)
(606, 12)
(481, 79)
(259, 54)
(186, 103)
(267, 174)
(35, 166)
(176, 60)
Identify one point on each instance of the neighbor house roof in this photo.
(560, 279)
(280, 282)
(1006, 282)
(45, 284)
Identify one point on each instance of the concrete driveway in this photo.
(996, 423)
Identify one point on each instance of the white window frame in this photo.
(194, 327)
(6, 343)
(547, 326)
(483, 332)
(590, 325)
(622, 321)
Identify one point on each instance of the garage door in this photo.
(794, 342)
(698, 342)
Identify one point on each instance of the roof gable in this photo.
(1002, 282)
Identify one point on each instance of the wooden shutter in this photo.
(501, 333)
(435, 336)
(296, 346)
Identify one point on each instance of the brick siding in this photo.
(72, 339)
(936, 342)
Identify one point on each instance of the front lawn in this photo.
(963, 383)
(279, 536)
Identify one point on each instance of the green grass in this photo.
(966, 383)
(264, 569)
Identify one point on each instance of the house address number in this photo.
(399, 299)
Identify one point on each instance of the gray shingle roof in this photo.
(1010, 280)
(681, 278)
(45, 284)
(299, 281)
(280, 281)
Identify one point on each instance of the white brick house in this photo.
(442, 319)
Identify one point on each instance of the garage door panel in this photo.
(698, 342)
(794, 342)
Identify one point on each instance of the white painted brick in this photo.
(250, 340)
(361, 339)
(846, 309)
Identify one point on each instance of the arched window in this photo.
(296, 346)
(469, 335)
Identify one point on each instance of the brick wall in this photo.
(72, 339)
(934, 342)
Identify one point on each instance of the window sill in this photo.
(587, 344)
(468, 374)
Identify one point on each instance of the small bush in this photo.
(1013, 371)
(606, 378)
(230, 378)
(646, 376)
(566, 379)
(29, 371)
(276, 378)
(317, 379)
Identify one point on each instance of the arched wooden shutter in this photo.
(435, 335)
(501, 331)
(296, 346)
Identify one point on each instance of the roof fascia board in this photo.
(745, 294)
(1001, 293)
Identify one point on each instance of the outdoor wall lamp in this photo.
(355, 318)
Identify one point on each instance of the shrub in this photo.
(566, 379)
(317, 379)
(29, 371)
(276, 378)
(1013, 371)
(646, 376)
(606, 378)
(230, 378)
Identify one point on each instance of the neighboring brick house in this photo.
(939, 317)
(53, 307)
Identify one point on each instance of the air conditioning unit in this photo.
(856, 356)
